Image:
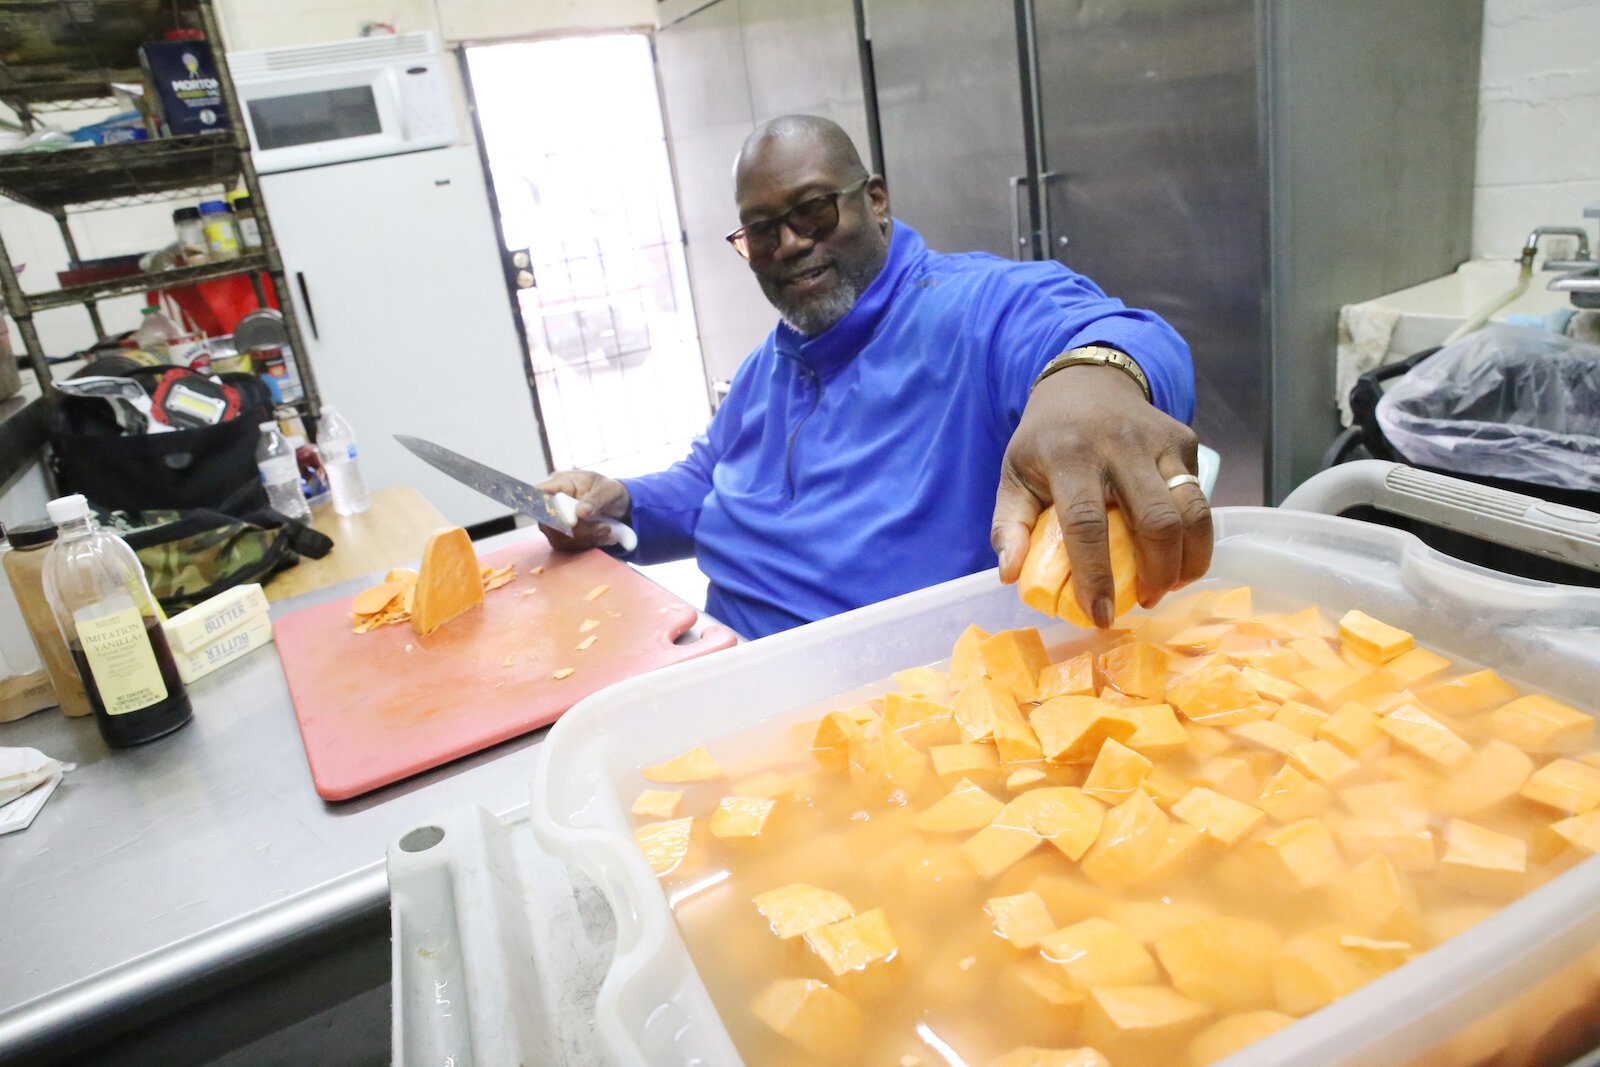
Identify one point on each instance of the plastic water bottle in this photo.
(336, 442)
(280, 473)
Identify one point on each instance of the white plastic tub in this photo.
(652, 1009)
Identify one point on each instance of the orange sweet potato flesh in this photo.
(1045, 569)
(449, 583)
(371, 601)
(1124, 571)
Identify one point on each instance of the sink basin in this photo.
(1430, 311)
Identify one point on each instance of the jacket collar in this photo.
(836, 346)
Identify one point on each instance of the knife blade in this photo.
(558, 511)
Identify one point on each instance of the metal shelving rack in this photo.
(74, 77)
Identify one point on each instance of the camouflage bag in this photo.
(192, 555)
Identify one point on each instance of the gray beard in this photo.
(822, 311)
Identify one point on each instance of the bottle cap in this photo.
(243, 203)
(213, 207)
(151, 310)
(31, 534)
(67, 509)
(184, 214)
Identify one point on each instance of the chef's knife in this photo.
(555, 510)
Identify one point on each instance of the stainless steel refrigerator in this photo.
(1242, 167)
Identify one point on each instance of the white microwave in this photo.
(344, 100)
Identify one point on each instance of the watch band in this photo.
(1100, 356)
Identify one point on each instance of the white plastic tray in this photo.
(504, 954)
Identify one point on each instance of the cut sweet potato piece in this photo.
(1124, 572)
(371, 601)
(449, 583)
(981, 706)
(966, 663)
(1045, 569)
(1070, 678)
(1014, 658)
(1137, 669)
(695, 765)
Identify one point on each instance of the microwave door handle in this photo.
(305, 298)
(396, 98)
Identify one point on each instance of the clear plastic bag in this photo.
(1505, 402)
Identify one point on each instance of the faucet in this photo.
(1531, 246)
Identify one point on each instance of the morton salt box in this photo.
(184, 86)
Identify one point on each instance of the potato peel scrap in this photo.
(389, 602)
(597, 592)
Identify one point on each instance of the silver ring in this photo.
(1182, 479)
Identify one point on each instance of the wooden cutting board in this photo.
(381, 706)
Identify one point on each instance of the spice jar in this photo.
(24, 564)
(244, 217)
(222, 236)
(191, 236)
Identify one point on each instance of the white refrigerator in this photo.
(395, 267)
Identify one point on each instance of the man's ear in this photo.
(878, 197)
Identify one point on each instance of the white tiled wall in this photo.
(1538, 119)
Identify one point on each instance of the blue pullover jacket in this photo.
(862, 463)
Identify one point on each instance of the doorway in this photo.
(573, 131)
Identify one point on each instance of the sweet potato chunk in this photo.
(695, 765)
(1014, 658)
(449, 583)
(1124, 572)
(1045, 569)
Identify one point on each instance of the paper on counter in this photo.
(27, 778)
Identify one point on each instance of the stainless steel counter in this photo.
(156, 870)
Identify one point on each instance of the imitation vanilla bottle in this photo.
(110, 622)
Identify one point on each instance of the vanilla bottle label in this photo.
(121, 660)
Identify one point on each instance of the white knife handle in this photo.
(567, 508)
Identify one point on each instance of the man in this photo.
(906, 396)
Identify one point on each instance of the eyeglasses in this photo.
(814, 217)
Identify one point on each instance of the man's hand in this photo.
(1087, 436)
(596, 495)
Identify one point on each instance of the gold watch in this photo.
(1096, 355)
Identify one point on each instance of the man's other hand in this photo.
(1088, 436)
(596, 495)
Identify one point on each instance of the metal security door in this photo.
(950, 110)
(1154, 187)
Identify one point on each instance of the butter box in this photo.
(192, 630)
(226, 648)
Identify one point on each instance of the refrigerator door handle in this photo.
(305, 298)
(1017, 182)
(1052, 244)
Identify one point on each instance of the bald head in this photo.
(821, 140)
(820, 223)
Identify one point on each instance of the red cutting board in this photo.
(381, 706)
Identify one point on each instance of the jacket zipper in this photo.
(816, 401)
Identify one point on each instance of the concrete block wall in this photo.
(1538, 119)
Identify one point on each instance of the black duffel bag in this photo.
(189, 501)
(210, 467)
